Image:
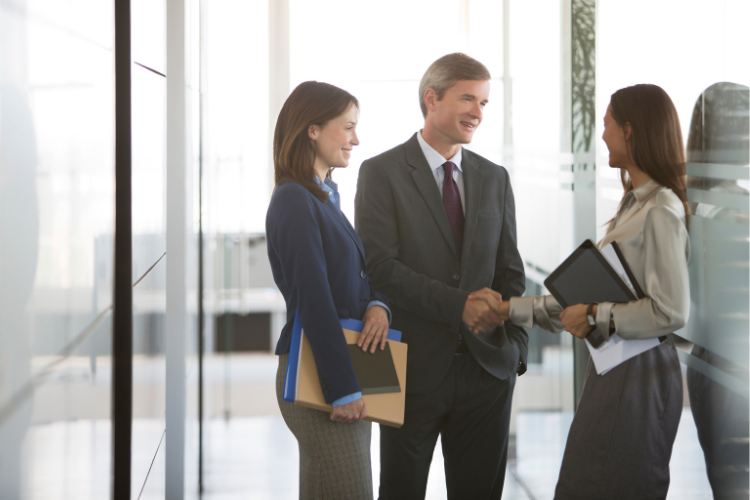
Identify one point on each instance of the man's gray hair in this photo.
(446, 72)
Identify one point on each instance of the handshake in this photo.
(485, 309)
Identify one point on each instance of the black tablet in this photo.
(586, 277)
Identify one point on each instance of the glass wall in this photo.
(149, 245)
(545, 188)
(241, 305)
(56, 233)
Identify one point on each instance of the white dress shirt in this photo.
(435, 161)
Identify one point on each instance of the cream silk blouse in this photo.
(650, 231)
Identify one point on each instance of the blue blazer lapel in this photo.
(341, 219)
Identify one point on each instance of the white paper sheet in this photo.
(617, 350)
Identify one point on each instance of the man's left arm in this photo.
(509, 278)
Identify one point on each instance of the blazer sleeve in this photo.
(510, 278)
(377, 225)
(295, 236)
(374, 294)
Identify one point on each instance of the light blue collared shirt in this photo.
(332, 189)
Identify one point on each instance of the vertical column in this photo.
(177, 224)
(507, 92)
(203, 8)
(464, 24)
(278, 64)
(582, 131)
(122, 316)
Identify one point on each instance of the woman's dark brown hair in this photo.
(311, 103)
(656, 139)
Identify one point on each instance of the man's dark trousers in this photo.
(412, 259)
(470, 410)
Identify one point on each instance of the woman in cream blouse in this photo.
(621, 438)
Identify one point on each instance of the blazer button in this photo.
(362, 275)
(456, 277)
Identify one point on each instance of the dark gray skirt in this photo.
(621, 438)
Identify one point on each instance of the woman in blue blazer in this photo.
(318, 263)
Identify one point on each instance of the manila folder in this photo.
(386, 408)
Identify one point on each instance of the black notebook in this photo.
(375, 371)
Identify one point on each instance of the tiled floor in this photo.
(256, 458)
(252, 455)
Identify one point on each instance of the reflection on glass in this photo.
(149, 270)
(148, 40)
(718, 154)
(56, 217)
(19, 246)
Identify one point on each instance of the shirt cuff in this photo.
(522, 311)
(347, 399)
(603, 315)
(378, 303)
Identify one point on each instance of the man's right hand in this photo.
(495, 301)
(350, 412)
(478, 315)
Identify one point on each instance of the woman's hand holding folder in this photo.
(350, 412)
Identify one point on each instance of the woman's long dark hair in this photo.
(656, 137)
(311, 103)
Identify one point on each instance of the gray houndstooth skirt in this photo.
(334, 458)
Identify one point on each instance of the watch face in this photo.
(591, 319)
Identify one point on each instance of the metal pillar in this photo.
(583, 128)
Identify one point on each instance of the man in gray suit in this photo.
(438, 222)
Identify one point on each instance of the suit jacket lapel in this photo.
(473, 191)
(425, 181)
(347, 227)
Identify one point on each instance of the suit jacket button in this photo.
(362, 274)
(456, 277)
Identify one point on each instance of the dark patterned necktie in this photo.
(452, 204)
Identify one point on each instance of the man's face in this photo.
(458, 114)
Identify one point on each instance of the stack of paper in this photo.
(617, 350)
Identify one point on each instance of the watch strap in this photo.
(590, 316)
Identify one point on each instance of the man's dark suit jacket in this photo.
(412, 259)
(318, 263)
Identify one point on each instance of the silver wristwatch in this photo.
(590, 315)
